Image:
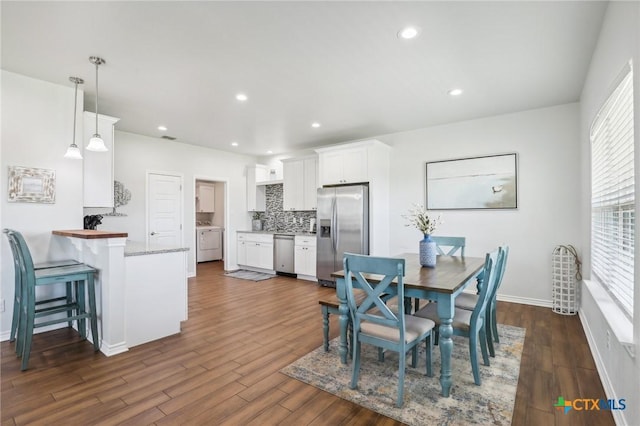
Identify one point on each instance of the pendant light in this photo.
(73, 151)
(96, 143)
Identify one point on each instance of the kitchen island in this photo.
(141, 289)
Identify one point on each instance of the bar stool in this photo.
(80, 275)
(17, 290)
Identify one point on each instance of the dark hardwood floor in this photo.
(223, 368)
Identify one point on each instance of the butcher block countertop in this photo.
(89, 234)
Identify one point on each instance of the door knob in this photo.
(153, 232)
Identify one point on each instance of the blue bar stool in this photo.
(82, 277)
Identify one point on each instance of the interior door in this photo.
(164, 209)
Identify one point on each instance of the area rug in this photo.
(491, 403)
(248, 275)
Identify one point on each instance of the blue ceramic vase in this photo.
(428, 252)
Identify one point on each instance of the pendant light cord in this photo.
(75, 112)
(97, 98)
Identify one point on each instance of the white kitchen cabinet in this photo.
(256, 194)
(292, 190)
(358, 162)
(343, 164)
(310, 184)
(98, 166)
(255, 250)
(206, 198)
(300, 184)
(305, 256)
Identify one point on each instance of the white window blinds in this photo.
(613, 194)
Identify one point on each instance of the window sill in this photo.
(619, 323)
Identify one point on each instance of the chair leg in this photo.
(82, 308)
(473, 355)
(483, 345)
(356, 364)
(94, 312)
(494, 322)
(416, 303)
(489, 340)
(27, 337)
(429, 344)
(325, 327)
(380, 354)
(15, 320)
(401, 367)
(70, 301)
(414, 356)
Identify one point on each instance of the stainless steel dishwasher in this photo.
(284, 253)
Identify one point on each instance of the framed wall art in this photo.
(31, 185)
(489, 182)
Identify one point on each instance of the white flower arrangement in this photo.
(422, 220)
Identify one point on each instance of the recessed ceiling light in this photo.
(315, 125)
(269, 152)
(408, 33)
(162, 128)
(241, 97)
(234, 143)
(455, 92)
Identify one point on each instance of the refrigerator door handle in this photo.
(334, 223)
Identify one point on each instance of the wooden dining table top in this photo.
(449, 275)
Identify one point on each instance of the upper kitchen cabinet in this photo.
(256, 194)
(358, 162)
(349, 163)
(98, 166)
(300, 183)
(205, 198)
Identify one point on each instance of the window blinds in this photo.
(613, 194)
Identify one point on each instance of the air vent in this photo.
(171, 138)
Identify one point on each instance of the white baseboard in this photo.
(110, 350)
(525, 300)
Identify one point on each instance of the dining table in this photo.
(442, 283)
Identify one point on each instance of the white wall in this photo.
(619, 41)
(37, 128)
(546, 141)
(136, 154)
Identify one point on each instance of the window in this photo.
(613, 194)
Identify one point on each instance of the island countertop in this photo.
(89, 234)
(139, 248)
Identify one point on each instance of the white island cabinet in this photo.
(142, 288)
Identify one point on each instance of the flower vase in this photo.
(428, 252)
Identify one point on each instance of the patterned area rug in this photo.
(491, 403)
(248, 275)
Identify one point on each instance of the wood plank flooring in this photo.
(223, 368)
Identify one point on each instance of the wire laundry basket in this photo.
(565, 270)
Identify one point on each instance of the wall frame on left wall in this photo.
(31, 185)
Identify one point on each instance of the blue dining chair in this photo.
(468, 301)
(450, 244)
(471, 324)
(381, 327)
(82, 276)
(445, 246)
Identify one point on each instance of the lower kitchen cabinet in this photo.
(255, 250)
(305, 256)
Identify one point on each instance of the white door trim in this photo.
(146, 201)
(225, 248)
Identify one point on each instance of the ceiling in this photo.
(181, 64)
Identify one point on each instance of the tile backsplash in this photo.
(276, 219)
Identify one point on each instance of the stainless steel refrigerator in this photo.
(342, 226)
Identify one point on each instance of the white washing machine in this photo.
(208, 243)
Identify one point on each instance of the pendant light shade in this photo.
(96, 143)
(73, 151)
